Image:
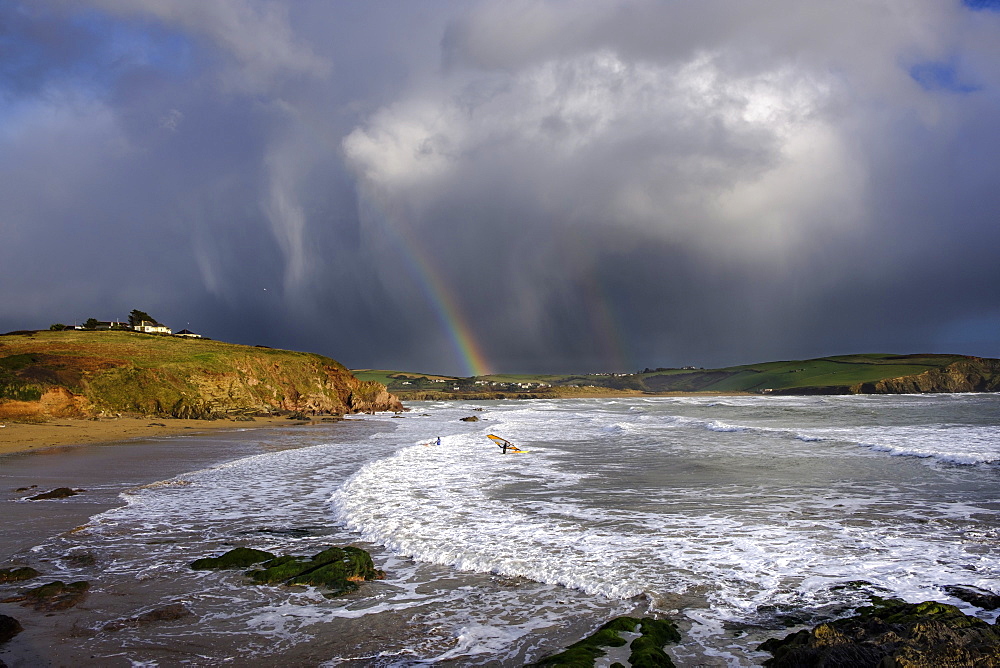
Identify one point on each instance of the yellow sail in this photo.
(504, 444)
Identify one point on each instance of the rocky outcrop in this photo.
(9, 627)
(55, 402)
(57, 493)
(980, 598)
(892, 633)
(166, 613)
(645, 651)
(370, 397)
(18, 574)
(52, 596)
(974, 374)
(95, 374)
(238, 557)
(335, 570)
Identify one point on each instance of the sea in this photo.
(741, 518)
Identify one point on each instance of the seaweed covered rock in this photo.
(892, 633)
(18, 574)
(240, 557)
(53, 596)
(646, 650)
(335, 569)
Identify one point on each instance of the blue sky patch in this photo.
(993, 5)
(936, 75)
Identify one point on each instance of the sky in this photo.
(508, 185)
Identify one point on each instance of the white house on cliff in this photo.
(152, 328)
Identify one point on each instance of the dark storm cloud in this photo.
(580, 186)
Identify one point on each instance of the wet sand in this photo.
(129, 455)
(22, 437)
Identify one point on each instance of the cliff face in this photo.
(973, 374)
(86, 374)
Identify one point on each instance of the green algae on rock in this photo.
(18, 574)
(53, 596)
(240, 557)
(646, 650)
(892, 633)
(335, 569)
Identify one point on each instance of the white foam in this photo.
(713, 503)
(475, 510)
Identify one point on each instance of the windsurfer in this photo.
(504, 444)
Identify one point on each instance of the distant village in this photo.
(138, 321)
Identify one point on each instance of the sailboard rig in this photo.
(505, 445)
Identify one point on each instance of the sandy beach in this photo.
(23, 437)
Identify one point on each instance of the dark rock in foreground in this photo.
(646, 650)
(53, 596)
(980, 598)
(336, 569)
(57, 493)
(18, 574)
(167, 613)
(9, 627)
(892, 634)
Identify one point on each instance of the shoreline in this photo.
(561, 393)
(17, 437)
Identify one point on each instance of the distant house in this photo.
(148, 327)
(103, 325)
(188, 333)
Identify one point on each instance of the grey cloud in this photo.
(581, 185)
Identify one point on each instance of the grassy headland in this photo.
(843, 374)
(77, 373)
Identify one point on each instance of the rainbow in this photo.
(436, 290)
(446, 306)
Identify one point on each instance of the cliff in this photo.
(88, 374)
(972, 374)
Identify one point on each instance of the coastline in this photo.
(588, 392)
(32, 436)
(16, 437)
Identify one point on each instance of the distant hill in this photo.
(78, 373)
(844, 374)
